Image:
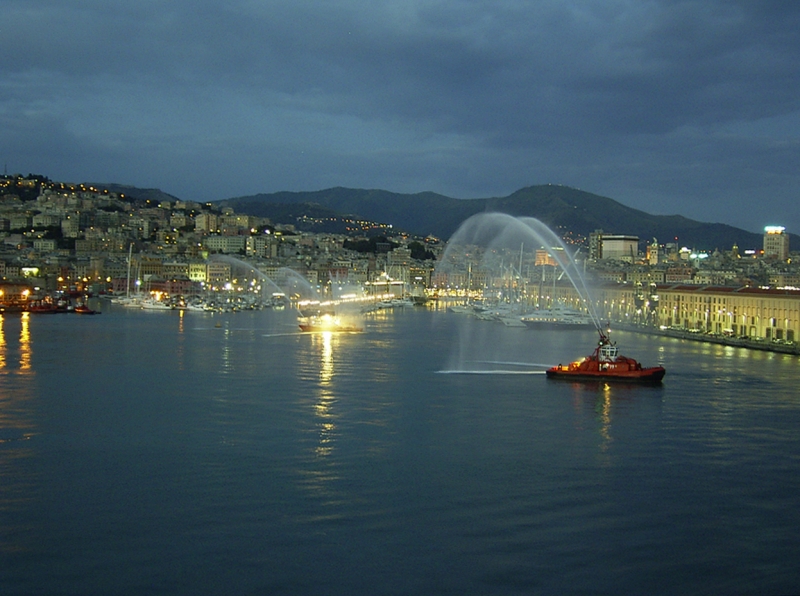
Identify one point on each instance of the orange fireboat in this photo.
(605, 363)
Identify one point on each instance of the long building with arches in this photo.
(773, 314)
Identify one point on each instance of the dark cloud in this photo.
(668, 106)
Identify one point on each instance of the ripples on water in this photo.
(160, 453)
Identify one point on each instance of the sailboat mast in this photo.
(128, 280)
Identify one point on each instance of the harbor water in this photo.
(190, 453)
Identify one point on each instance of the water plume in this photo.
(491, 242)
(240, 267)
(494, 248)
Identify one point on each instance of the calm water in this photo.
(159, 453)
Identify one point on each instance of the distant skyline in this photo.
(667, 106)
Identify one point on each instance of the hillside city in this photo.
(60, 238)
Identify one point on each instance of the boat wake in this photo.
(536, 364)
(490, 372)
(284, 334)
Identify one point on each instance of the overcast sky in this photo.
(671, 107)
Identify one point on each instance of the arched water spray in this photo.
(494, 241)
(295, 285)
(550, 239)
(268, 288)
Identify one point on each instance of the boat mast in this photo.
(128, 280)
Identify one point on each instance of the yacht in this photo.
(558, 317)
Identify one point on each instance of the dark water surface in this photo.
(156, 453)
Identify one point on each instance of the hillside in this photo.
(560, 207)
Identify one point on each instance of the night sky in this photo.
(671, 107)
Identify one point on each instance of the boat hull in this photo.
(84, 310)
(549, 325)
(645, 375)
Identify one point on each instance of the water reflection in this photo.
(17, 388)
(2, 343)
(16, 427)
(180, 351)
(599, 397)
(25, 344)
(603, 409)
(23, 348)
(602, 401)
(325, 399)
(321, 470)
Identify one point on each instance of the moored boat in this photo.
(82, 309)
(557, 317)
(153, 304)
(606, 364)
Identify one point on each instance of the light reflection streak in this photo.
(24, 349)
(322, 408)
(25, 344)
(181, 338)
(2, 343)
(16, 427)
(602, 395)
(604, 415)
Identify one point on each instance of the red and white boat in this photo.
(606, 364)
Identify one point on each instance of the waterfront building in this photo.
(219, 273)
(20, 221)
(652, 252)
(620, 247)
(206, 222)
(70, 227)
(398, 262)
(175, 269)
(174, 286)
(771, 314)
(544, 257)
(679, 274)
(225, 244)
(45, 220)
(178, 220)
(14, 295)
(776, 243)
(197, 271)
(44, 245)
(596, 245)
(645, 275)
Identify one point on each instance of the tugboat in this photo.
(606, 364)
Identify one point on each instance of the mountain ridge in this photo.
(560, 207)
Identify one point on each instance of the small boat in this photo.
(153, 304)
(328, 322)
(82, 309)
(606, 364)
(43, 309)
